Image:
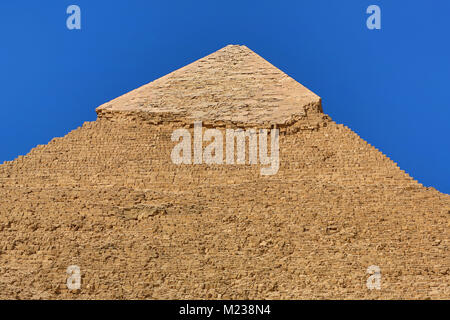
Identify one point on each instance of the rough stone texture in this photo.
(106, 197)
(233, 84)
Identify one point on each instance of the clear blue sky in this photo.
(391, 86)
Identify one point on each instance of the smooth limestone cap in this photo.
(233, 84)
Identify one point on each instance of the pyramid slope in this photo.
(233, 84)
(107, 198)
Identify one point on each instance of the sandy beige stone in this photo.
(107, 197)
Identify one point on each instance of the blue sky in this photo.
(391, 86)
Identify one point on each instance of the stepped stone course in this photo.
(107, 197)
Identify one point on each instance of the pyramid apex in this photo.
(233, 84)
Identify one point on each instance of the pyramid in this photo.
(108, 198)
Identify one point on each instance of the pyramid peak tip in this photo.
(225, 85)
(236, 45)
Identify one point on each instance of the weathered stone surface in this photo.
(107, 197)
(233, 84)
